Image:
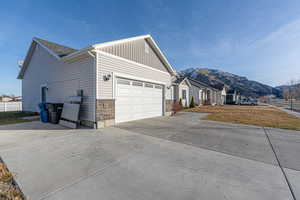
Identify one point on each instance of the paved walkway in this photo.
(297, 114)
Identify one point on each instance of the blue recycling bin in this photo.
(44, 115)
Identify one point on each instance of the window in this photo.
(123, 82)
(158, 87)
(183, 94)
(43, 93)
(137, 83)
(148, 85)
(146, 47)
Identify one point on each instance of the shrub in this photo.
(206, 102)
(192, 103)
(176, 107)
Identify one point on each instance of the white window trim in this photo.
(41, 86)
(183, 89)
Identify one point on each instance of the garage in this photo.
(137, 100)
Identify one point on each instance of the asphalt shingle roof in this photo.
(59, 49)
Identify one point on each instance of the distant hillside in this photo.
(218, 78)
(281, 88)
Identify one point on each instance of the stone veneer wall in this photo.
(169, 105)
(105, 109)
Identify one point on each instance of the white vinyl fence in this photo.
(10, 106)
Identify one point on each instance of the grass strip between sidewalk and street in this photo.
(265, 116)
(16, 117)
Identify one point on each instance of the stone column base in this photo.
(105, 123)
(169, 113)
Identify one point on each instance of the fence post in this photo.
(4, 106)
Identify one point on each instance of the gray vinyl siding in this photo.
(135, 51)
(176, 93)
(194, 92)
(62, 80)
(111, 65)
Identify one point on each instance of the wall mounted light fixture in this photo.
(106, 77)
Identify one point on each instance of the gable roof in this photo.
(180, 80)
(58, 49)
(193, 82)
(199, 83)
(149, 39)
(64, 53)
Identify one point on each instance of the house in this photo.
(232, 97)
(6, 98)
(185, 88)
(19, 98)
(181, 91)
(121, 81)
(223, 95)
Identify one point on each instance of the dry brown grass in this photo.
(251, 115)
(8, 189)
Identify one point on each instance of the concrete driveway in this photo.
(161, 158)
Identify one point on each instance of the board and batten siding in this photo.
(139, 51)
(62, 79)
(110, 64)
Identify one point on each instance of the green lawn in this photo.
(15, 117)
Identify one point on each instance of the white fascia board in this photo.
(46, 48)
(153, 43)
(162, 55)
(63, 59)
(84, 50)
(77, 53)
(188, 82)
(106, 44)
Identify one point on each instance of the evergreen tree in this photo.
(180, 102)
(192, 104)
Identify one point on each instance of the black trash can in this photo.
(53, 116)
(55, 110)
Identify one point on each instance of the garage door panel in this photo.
(137, 102)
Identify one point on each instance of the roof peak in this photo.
(60, 50)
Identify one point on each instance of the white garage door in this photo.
(137, 100)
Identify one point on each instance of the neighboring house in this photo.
(232, 97)
(185, 88)
(121, 80)
(181, 90)
(17, 99)
(6, 99)
(223, 96)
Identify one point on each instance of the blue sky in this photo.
(259, 39)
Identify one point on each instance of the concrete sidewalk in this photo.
(297, 114)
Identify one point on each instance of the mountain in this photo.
(285, 87)
(293, 89)
(218, 78)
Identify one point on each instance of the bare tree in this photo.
(297, 90)
(292, 92)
